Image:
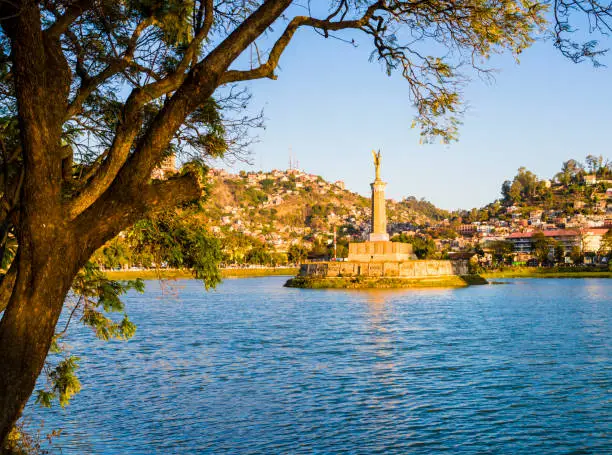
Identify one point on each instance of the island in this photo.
(380, 263)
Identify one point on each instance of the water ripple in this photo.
(254, 368)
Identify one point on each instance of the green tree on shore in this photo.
(424, 248)
(559, 254)
(502, 251)
(297, 253)
(542, 246)
(576, 255)
(606, 245)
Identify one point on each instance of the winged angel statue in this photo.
(377, 158)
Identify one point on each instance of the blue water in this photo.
(255, 368)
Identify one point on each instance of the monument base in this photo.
(356, 275)
(379, 237)
(446, 281)
(392, 274)
(380, 251)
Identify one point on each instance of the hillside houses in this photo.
(292, 207)
(591, 239)
(285, 208)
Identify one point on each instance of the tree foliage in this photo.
(297, 254)
(93, 299)
(606, 244)
(542, 246)
(424, 248)
(524, 186)
(527, 189)
(571, 172)
(171, 240)
(502, 251)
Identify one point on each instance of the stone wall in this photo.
(396, 269)
(383, 251)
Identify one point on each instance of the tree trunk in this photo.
(28, 325)
(55, 242)
(43, 272)
(7, 283)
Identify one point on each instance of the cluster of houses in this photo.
(576, 231)
(579, 232)
(287, 190)
(287, 186)
(299, 177)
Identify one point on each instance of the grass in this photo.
(454, 281)
(549, 272)
(245, 273)
(176, 274)
(514, 272)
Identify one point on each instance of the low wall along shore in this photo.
(384, 274)
(389, 269)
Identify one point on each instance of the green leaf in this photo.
(44, 398)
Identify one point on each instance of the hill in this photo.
(285, 208)
(284, 216)
(577, 196)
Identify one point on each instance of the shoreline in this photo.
(186, 274)
(447, 281)
(293, 271)
(546, 273)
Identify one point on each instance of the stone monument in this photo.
(378, 231)
(378, 247)
(379, 262)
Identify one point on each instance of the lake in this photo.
(255, 368)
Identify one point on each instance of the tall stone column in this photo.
(379, 212)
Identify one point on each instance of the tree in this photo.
(114, 254)
(594, 163)
(424, 248)
(297, 253)
(502, 250)
(541, 246)
(505, 190)
(606, 245)
(235, 246)
(528, 181)
(570, 171)
(97, 93)
(576, 255)
(267, 185)
(319, 250)
(342, 250)
(179, 242)
(559, 253)
(516, 191)
(524, 187)
(259, 255)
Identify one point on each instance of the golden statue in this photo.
(377, 163)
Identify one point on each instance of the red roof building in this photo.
(522, 241)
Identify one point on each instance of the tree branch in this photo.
(115, 158)
(267, 69)
(72, 13)
(132, 120)
(90, 84)
(113, 212)
(42, 81)
(191, 90)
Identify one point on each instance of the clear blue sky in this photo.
(332, 106)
